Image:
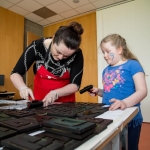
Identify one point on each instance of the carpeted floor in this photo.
(144, 143)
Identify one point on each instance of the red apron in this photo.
(44, 82)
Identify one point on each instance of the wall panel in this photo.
(3, 14)
(11, 47)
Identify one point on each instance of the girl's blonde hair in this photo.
(118, 41)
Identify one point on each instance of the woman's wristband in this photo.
(56, 95)
(22, 88)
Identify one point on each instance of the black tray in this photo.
(70, 114)
(71, 125)
(6, 132)
(21, 125)
(27, 142)
(101, 124)
(19, 113)
(70, 134)
(4, 117)
(41, 118)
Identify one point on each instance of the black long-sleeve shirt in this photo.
(37, 53)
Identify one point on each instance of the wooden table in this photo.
(109, 139)
(7, 95)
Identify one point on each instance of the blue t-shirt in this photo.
(119, 84)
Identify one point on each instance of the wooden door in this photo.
(30, 75)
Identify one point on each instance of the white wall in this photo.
(132, 21)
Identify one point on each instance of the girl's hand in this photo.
(93, 92)
(50, 98)
(117, 104)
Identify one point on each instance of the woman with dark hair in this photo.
(58, 66)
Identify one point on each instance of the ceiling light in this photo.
(76, 1)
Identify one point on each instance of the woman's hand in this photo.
(117, 104)
(50, 98)
(26, 93)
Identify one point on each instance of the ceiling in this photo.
(46, 12)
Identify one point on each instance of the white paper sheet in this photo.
(11, 104)
(105, 116)
(36, 133)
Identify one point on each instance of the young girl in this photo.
(123, 83)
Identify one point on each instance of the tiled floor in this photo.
(144, 143)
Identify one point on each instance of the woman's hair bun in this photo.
(76, 27)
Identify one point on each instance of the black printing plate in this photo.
(21, 124)
(71, 125)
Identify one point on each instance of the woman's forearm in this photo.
(17, 80)
(67, 90)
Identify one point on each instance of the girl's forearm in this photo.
(135, 98)
(100, 92)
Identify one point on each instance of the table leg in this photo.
(124, 138)
(114, 144)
